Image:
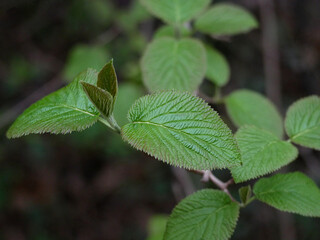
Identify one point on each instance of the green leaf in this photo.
(218, 70)
(63, 111)
(82, 57)
(207, 214)
(247, 107)
(261, 153)
(175, 11)
(107, 79)
(128, 93)
(226, 19)
(303, 122)
(170, 31)
(245, 194)
(100, 98)
(291, 192)
(156, 227)
(182, 130)
(173, 64)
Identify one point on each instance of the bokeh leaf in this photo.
(156, 227)
(182, 130)
(170, 31)
(261, 153)
(291, 192)
(173, 64)
(207, 214)
(302, 122)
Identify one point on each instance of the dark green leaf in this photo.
(245, 194)
(107, 79)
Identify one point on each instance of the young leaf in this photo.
(63, 111)
(261, 153)
(156, 227)
(245, 194)
(218, 70)
(247, 107)
(175, 11)
(100, 98)
(170, 31)
(182, 130)
(226, 19)
(173, 64)
(107, 79)
(291, 192)
(207, 214)
(303, 122)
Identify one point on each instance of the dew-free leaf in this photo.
(107, 79)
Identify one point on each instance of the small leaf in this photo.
(247, 107)
(156, 227)
(63, 111)
(291, 192)
(175, 11)
(169, 31)
(173, 64)
(218, 70)
(245, 194)
(100, 98)
(207, 214)
(261, 152)
(182, 130)
(303, 122)
(226, 19)
(107, 79)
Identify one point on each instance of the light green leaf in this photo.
(291, 192)
(107, 79)
(128, 93)
(303, 122)
(226, 19)
(170, 31)
(261, 153)
(100, 98)
(173, 64)
(175, 11)
(63, 111)
(156, 227)
(218, 70)
(245, 194)
(247, 107)
(207, 214)
(82, 57)
(182, 130)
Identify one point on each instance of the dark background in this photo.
(91, 185)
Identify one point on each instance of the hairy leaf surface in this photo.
(63, 111)
(182, 130)
(174, 64)
(291, 192)
(207, 214)
(303, 122)
(261, 153)
(226, 19)
(175, 11)
(247, 107)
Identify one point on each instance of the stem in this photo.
(111, 123)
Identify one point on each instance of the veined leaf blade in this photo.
(107, 79)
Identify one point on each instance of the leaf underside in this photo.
(182, 130)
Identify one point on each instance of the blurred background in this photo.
(91, 185)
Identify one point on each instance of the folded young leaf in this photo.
(303, 122)
(291, 192)
(207, 214)
(100, 98)
(173, 64)
(261, 153)
(218, 70)
(226, 19)
(182, 130)
(246, 107)
(63, 111)
(245, 194)
(107, 79)
(175, 11)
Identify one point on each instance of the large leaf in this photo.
(182, 130)
(107, 79)
(247, 107)
(63, 111)
(303, 122)
(261, 153)
(226, 19)
(173, 64)
(218, 70)
(291, 192)
(175, 11)
(207, 214)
